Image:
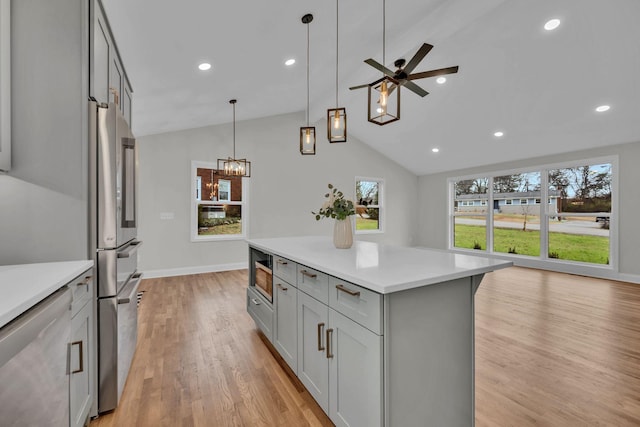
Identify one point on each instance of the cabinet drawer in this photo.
(82, 290)
(261, 312)
(315, 283)
(284, 269)
(357, 303)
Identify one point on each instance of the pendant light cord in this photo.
(337, 56)
(384, 32)
(234, 130)
(307, 74)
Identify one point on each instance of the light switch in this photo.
(167, 215)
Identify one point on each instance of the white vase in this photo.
(342, 233)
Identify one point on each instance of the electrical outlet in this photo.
(167, 215)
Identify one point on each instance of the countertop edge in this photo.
(62, 273)
(495, 264)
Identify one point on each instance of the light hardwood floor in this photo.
(551, 350)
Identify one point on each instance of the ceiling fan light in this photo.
(384, 101)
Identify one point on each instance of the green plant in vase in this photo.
(340, 209)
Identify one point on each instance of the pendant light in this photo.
(232, 166)
(337, 117)
(383, 108)
(307, 133)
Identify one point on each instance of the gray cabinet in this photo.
(355, 373)
(285, 330)
(261, 312)
(340, 364)
(313, 368)
(108, 82)
(81, 361)
(330, 333)
(5, 85)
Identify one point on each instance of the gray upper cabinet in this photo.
(108, 79)
(5, 86)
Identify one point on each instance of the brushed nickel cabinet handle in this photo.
(348, 291)
(329, 334)
(306, 273)
(282, 288)
(255, 301)
(281, 262)
(320, 328)
(80, 357)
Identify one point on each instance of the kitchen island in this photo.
(378, 334)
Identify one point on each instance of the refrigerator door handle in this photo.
(134, 282)
(130, 249)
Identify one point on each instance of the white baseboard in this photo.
(196, 269)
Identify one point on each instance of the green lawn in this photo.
(366, 223)
(574, 247)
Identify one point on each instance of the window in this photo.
(516, 226)
(369, 205)
(579, 220)
(219, 210)
(573, 227)
(470, 223)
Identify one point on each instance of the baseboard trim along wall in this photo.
(196, 269)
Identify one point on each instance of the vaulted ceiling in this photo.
(539, 87)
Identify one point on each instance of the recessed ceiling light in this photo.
(435, 149)
(552, 24)
(602, 108)
(289, 62)
(441, 80)
(204, 66)
(498, 134)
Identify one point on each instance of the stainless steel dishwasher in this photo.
(34, 364)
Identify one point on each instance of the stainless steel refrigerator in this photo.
(114, 243)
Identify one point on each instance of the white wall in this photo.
(284, 188)
(433, 215)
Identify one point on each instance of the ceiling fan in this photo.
(403, 73)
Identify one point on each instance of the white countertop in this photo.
(380, 268)
(23, 286)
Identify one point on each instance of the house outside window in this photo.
(369, 205)
(219, 206)
(573, 228)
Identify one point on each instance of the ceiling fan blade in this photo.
(378, 66)
(419, 56)
(415, 88)
(433, 73)
(368, 84)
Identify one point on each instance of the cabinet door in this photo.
(313, 369)
(101, 55)
(79, 366)
(355, 373)
(115, 82)
(126, 103)
(285, 329)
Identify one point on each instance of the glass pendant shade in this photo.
(384, 101)
(234, 167)
(308, 140)
(337, 125)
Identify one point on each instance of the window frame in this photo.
(195, 165)
(543, 261)
(379, 206)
